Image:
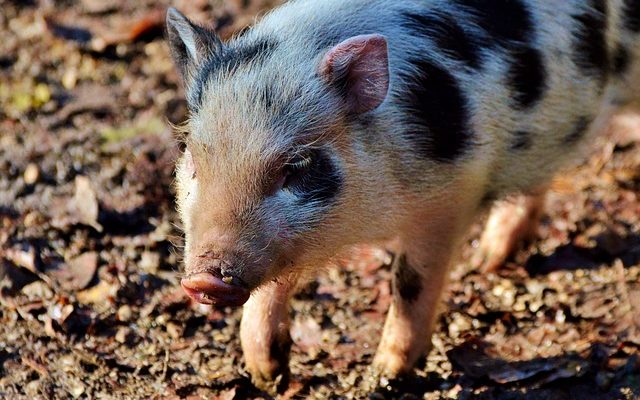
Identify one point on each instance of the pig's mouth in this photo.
(207, 288)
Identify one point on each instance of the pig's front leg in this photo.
(417, 284)
(264, 333)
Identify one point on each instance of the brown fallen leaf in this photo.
(97, 294)
(27, 259)
(129, 30)
(77, 273)
(478, 360)
(67, 32)
(86, 98)
(472, 357)
(567, 369)
(84, 205)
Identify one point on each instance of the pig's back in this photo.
(515, 84)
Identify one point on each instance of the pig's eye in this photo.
(296, 169)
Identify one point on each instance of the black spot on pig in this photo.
(229, 59)
(279, 350)
(620, 60)
(527, 77)
(320, 182)
(521, 140)
(631, 15)
(487, 200)
(407, 281)
(446, 34)
(590, 46)
(267, 97)
(502, 20)
(578, 131)
(438, 112)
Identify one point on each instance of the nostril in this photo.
(209, 289)
(211, 254)
(210, 262)
(214, 263)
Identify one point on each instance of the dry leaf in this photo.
(77, 273)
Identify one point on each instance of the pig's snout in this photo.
(207, 288)
(216, 269)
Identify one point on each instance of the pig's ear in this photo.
(359, 69)
(190, 44)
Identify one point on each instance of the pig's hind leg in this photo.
(424, 253)
(510, 222)
(264, 334)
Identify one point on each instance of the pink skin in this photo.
(511, 222)
(206, 288)
(364, 60)
(264, 332)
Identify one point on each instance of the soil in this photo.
(90, 303)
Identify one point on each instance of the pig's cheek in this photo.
(283, 230)
(191, 192)
(277, 223)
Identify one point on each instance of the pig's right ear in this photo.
(359, 68)
(190, 44)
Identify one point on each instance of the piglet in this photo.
(332, 123)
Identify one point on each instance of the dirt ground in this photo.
(90, 305)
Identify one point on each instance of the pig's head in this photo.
(270, 161)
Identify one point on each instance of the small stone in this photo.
(458, 325)
(67, 363)
(174, 330)
(560, 317)
(162, 319)
(32, 388)
(149, 262)
(41, 94)
(31, 219)
(121, 335)
(70, 78)
(37, 290)
(31, 174)
(534, 306)
(124, 313)
(77, 389)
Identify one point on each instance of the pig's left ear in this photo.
(190, 44)
(359, 69)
